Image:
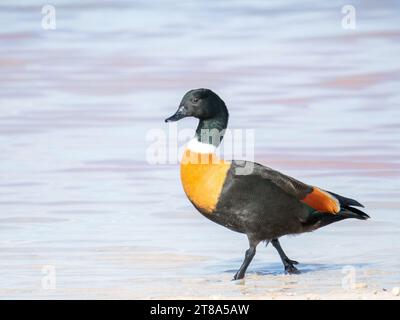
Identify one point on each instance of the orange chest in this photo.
(203, 177)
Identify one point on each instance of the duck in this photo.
(247, 197)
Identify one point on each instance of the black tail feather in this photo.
(355, 213)
(346, 202)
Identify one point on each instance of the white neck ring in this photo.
(199, 147)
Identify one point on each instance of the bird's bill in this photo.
(179, 114)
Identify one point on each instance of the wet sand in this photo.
(77, 194)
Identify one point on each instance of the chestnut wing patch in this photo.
(322, 201)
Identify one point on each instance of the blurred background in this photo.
(82, 213)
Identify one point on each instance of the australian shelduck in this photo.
(248, 197)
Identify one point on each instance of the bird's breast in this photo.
(203, 176)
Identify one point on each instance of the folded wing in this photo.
(316, 198)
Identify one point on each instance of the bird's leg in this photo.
(287, 263)
(250, 253)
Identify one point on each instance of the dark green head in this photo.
(206, 106)
(202, 104)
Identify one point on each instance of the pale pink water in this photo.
(76, 103)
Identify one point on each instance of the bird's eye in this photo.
(195, 100)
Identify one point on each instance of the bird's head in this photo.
(201, 103)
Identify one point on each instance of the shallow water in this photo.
(77, 194)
